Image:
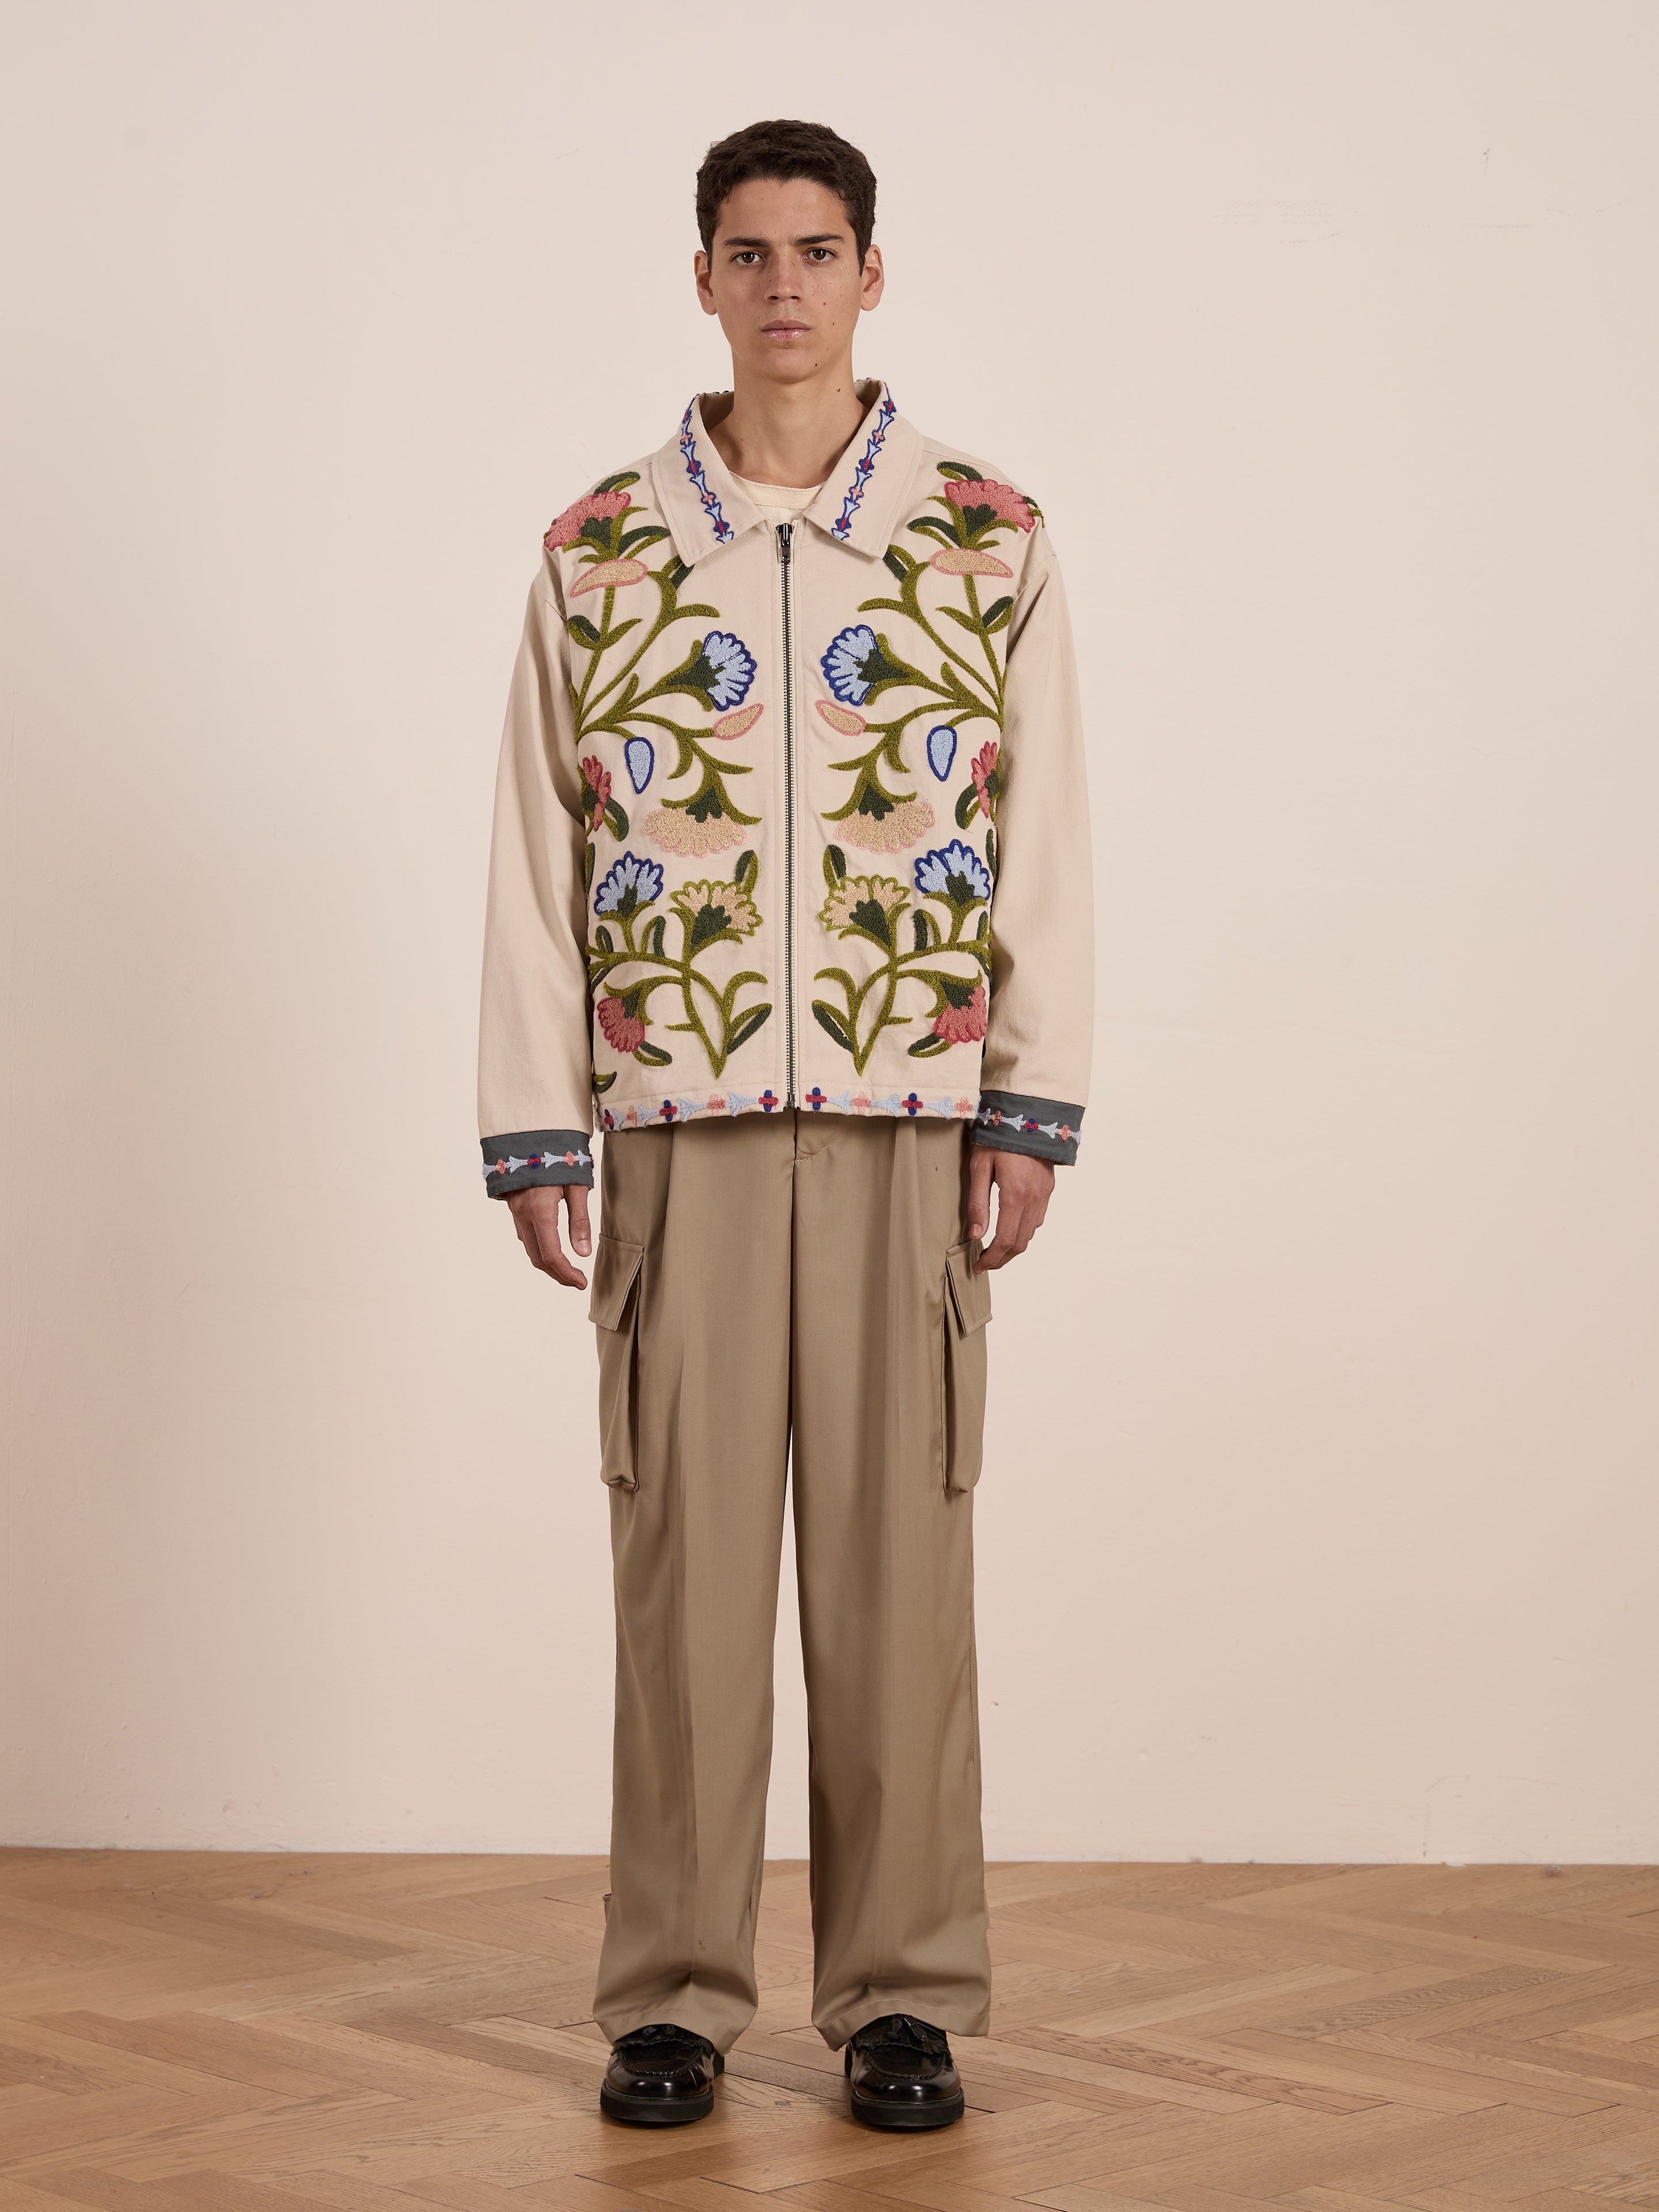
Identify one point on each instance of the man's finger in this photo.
(576, 1200)
(1008, 1242)
(979, 1167)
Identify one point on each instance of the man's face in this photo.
(785, 280)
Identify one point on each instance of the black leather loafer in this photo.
(660, 2076)
(902, 2074)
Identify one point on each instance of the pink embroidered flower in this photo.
(734, 724)
(861, 1102)
(966, 560)
(963, 1024)
(596, 778)
(908, 822)
(840, 719)
(610, 576)
(979, 491)
(624, 1032)
(715, 1103)
(984, 767)
(672, 828)
(566, 528)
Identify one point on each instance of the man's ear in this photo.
(873, 279)
(700, 272)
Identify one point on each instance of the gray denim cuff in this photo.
(529, 1156)
(1009, 1121)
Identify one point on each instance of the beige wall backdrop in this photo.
(1319, 1515)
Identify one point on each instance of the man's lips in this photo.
(784, 329)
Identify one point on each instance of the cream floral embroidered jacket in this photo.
(790, 816)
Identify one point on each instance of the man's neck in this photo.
(787, 433)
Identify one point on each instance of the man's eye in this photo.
(822, 252)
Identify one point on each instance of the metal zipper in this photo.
(785, 539)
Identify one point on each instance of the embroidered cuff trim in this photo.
(529, 1156)
(1008, 1122)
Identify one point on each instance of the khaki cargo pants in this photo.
(793, 1280)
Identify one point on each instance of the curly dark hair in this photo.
(787, 149)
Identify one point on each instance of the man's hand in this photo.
(1023, 1188)
(535, 1216)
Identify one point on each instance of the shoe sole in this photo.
(652, 2113)
(895, 2117)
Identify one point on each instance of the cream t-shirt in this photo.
(780, 502)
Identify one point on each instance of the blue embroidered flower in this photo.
(859, 663)
(844, 663)
(955, 873)
(632, 883)
(725, 669)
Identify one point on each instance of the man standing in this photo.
(789, 894)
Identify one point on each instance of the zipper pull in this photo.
(785, 533)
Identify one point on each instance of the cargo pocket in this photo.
(967, 1308)
(614, 1308)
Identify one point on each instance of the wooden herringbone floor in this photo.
(268, 2034)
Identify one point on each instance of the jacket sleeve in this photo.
(1035, 1077)
(535, 1051)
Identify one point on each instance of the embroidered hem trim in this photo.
(842, 525)
(529, 1156)
(960, 1107)
(700, 484)
(1047, 1128)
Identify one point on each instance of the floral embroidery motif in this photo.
(990, 1117)
(716, 675)
(723, 530)
(871, 908)
(987, 786)
(861, 662)
(721, 1103)
(842, 525)
(709, 912)
(512, 1165)
(597, 805)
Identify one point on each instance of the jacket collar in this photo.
(706, 508)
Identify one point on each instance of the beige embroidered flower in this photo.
(966, 560)
(909, 821)
(672, 828)
(734, 724)
(713, 907)
(609, 575)
(867, 903)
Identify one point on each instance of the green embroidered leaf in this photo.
(920, 923)
(603, 939)
(968, 804)
(990, 853)
(596, 530)
(587, 865)
(997, 615)
(962, 472)
(654, 937)
(901, 564)
(746, 871)
(835, 865)
(653, 1055)
(616, 819)
(619, 482)
(646, 534)
(674, 573)
(967, 621)
(830, 1021)
(745, 1029)
(925, 1047)
(582, 631)
(983, 928)
(935, 526)
(603, 1083)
